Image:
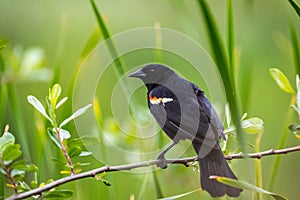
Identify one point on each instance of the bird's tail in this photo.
(214, 163)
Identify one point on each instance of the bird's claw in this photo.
(163, 164)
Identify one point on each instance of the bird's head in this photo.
(153, 73)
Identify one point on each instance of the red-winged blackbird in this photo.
(183, 112)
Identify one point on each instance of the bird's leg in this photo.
(161, 156)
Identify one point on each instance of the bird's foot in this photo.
(163, 164)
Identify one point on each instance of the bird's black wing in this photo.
(188, 118)
(207, 110)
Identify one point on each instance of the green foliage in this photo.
(12, 166)
(61, 136)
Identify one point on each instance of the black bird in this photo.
(183, 112)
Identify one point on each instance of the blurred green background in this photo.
(62, 29)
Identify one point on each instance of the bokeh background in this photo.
(58, 31)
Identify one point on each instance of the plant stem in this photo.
(282, 143)
(64, 150)
(258, 167)
(12, 180)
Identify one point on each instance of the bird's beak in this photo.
(138, 74)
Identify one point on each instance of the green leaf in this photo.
(58, 194)
(23, 187)
(18, 175)
(295, 128)
(54, 95)
(2, 171)
(85, 153)
(84, 140)
(38, 105)
(11, 152)
(53, 137)
(74, 151)
(253, 125)
(21, 165)
(281, 80)
(59, 162)
(6, 139)
(79, 112)
(246, 186)
(181, 195)
(61, 102)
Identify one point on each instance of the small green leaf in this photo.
(11, 152)
(58, 194)
(84, 140)
(18, 175)
(79, 112)
(61, 102)
(21, 165)
(23, 187)
(246, 186)
(253, 125)
(244, 116)
(6, 139)
(295, 128)
(54, 95)
(85, 153)
(74, 151)
(2, 171)
(59, 162)
(281, 80)
(38, 105)
(53, 136)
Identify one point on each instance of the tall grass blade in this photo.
(59, 51)
(295, 46)
(91, 43)
(111, 46)
(295, 6)
(143, 187)
(230, 39)
(222, 64)
(158, 190)
(19, 120)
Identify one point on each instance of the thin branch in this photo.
(184, 161)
